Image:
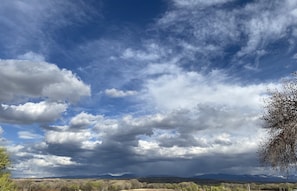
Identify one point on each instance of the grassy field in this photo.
(149, 189)
(136, 185)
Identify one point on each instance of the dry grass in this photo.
(149, 189)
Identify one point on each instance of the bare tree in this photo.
(280, 120)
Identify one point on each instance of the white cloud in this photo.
(28, 135)
(67, 137)
(84, 131)
(119, 93)
(27, 79)
(177, 134)
(83, 120)
(23, 22)
(1, 130)
(41, 90)
(168, 67)
(31, 112)
(90, 145)
(32, 56)
(32, 160)
(153, 150)
(78, 133)
(183, 89)
(40, 165)
(214, 143)
(250, 28)
(152, 52)
(50, 160)
(17, 150)
(199, 3)
(267, 24)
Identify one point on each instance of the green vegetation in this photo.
(136, 185)
(6, 184)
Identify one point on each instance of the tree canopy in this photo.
(6, 184)
(280, 120)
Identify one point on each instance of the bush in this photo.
(6, 184)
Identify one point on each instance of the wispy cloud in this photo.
(27, 26)
(151, 52)
(28, 135)
(32, 56)
(235, 33)
(268, 22)
(198, 3)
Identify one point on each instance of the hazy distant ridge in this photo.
(200, 178)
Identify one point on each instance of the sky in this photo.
(147, 87)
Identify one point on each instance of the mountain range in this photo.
(205, 178)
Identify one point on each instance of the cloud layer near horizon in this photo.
(182, 129)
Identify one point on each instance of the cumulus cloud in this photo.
(38, 165)
(41, 91)
(182, 89)
(194, 116)
(83, 120)
(176, 134)
(203, 130)
(27, 79)
(32, 161)
(68, 138)
(79, 134)
(31, 112)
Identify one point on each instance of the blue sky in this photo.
(170, 87)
